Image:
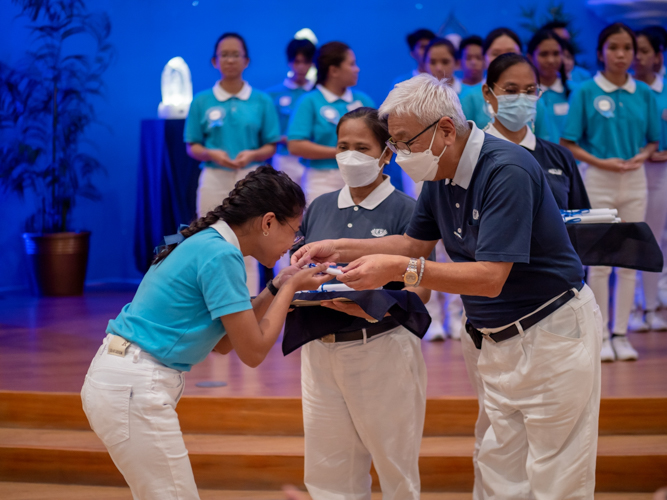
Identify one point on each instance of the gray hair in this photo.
(427, 99)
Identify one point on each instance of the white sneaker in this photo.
(637, 323)
(607, 352)
(435, 332)
(624, 351)
(655, 323)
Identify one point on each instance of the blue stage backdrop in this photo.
(147, 33)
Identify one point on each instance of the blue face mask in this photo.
(515, 111)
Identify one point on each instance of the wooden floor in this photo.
(47, 450)
(46, 345)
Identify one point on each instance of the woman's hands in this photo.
(659, 156)
(302, 279)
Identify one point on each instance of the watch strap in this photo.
(271, 287)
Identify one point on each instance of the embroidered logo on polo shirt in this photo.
(605, 106)
(475, 214)
(555, 171)
(285, 100)
(330, 114)
(379, 233)
(561, 108)
(215, 116)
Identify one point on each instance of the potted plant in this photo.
(45, 109)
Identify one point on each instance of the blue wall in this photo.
(147, 33)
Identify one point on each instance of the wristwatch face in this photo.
(410, 278)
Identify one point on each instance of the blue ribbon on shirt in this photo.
(170, 239)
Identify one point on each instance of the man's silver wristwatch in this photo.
(411, 277)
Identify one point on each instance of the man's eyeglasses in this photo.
(404, 146)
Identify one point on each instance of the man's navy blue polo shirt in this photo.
(499, 208)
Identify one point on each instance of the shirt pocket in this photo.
(107, 407)
(470, 236)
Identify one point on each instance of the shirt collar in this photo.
(629, 86)
(469, 157)
(308, 86)
(331, 97)
(529, 141)
(222, 95)
(226, 232)
(658, 84)
(377, 196)
(456, 85)
(557, 87)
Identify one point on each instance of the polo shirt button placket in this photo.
(356, 209)
(349, 224)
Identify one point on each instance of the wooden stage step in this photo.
(445, 416)
(40, 491)
(625, 462)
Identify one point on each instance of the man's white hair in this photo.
(427, 99)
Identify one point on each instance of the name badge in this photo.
(555, 171)
(561, 109)
(118, 346)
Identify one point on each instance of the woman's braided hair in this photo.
(260, 192)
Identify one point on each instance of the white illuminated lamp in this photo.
(306, 34)
(176, 90)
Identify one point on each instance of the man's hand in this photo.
(374, 271)
(320, 251)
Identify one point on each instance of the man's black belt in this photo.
(526, 323)
(371, 331)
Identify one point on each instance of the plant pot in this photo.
(57, 262)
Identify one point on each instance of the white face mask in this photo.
(422, 166)
(358, 169)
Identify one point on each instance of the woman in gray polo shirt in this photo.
(363, 399)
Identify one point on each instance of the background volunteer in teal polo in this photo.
(613, 127)
(545, 50)
(312, 130)
(476, 108)
(300, 54)
(649, 56)
(231, 128)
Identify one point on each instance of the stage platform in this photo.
(246, 438)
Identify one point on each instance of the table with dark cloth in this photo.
(166, 187)
(624, 244)
(305, 324)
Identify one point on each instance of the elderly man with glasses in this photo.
(537, 324)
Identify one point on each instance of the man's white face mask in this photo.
(421, 166)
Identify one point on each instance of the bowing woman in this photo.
(613, 127)
(311, 134)
(192, 300)
(231, 128)
(350, 418)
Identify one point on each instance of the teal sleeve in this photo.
(302, 122)
(193, 133)
(271, 123)
(473, 109)
(574, 125)
(467, 106)
(545, 128)
(653, 132)
(222, 281)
